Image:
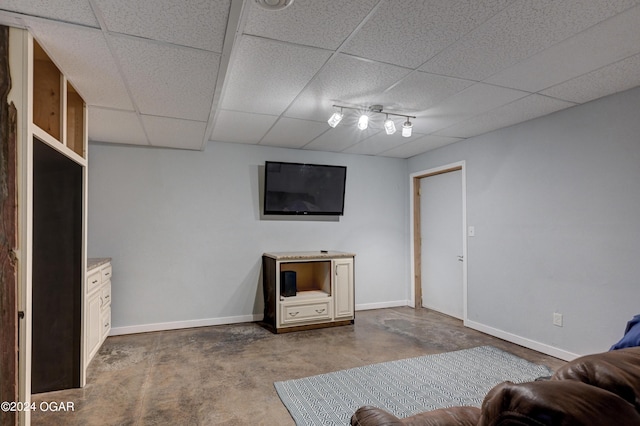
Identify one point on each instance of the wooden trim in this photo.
(8, 239)
(417, 239)
(417, 244)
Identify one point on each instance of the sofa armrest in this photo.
(454, 416)
(555, 402)
(616, 371)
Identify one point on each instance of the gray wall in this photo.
(556, 204)
(186, 237)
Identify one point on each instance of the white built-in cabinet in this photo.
(97, 319)
(324, 290)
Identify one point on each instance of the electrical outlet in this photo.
(557, 319)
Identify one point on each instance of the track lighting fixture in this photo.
(363, 120)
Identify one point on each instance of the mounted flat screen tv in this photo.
(303, 189)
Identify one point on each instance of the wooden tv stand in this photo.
(325, 290)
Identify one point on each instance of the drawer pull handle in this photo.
(293, 314)
(106, 274)
(94, 281)
(106, 297)
(320, 310)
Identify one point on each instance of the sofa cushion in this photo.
(616, 371)
(557, 403)
(454, 416)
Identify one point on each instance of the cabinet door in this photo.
(343, 288)
(94, 324)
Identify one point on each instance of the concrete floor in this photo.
(223, 375)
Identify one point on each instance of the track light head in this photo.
(389, 126)
(363, 122)
(407, 128)
(335, 118)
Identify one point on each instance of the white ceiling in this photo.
(178, 73)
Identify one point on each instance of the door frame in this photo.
(415, 240)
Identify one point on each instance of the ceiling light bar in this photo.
(363, 120)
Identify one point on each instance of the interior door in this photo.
(441, 237)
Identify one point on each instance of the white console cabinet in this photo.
(324, 290)
(97, 320)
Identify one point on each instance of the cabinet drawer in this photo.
(105, 295)
(106, 323)
(106, 273)
(307, 312)
(94, 280)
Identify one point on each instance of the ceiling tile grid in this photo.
(619, 76)
(174, 133)
(241, 127)
(177, 82)
(267, 75)
(72, 11)
(419, 145)
(83, 55)
(520, 110)
(196, 23)
(597, 46)
(122, 127)
(167, 71)
(409, 32)
(518, 32)
(346, 80)
(293, 133)
(325, 24)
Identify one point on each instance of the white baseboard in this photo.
(518, 340)
(145, 328)
(382, 305)
(161, 326)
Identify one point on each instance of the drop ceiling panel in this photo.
(610, 41)
(106, 125)
(418, 146)
(83, 56)
(519, 31)
(419, 91)
(197, 23)
(378, 143)
(294, 133)
(268, 75)
(614, 78)
(340, 138)
(174, 133)
(177, 82)
(241, 127)
(518, 111)
(470, 102)
(409, 32)
(346, 80)
(74, 11)
(316, 23)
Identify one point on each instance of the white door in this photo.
(441, 235)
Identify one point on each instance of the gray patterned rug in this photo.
(404, 387)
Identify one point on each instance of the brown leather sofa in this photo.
(599, 389)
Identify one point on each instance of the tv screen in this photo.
(305, 189)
